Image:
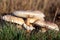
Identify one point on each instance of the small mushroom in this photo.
(13, 19)
(29, 14)
(49, 25)
(17, 20)
(52, 26)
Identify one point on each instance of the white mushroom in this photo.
(48, 25)
(29, 14)
(13, 19)
(52, 26)
(17, 20)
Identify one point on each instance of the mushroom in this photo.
(47, 24)
(17, 20)
(37, 18)
(13, 19)
(33, 17)
(52, 26)
(30, 14)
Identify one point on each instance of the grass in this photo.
(9, 32)
(8, 6)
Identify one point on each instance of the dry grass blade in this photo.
(55, 15)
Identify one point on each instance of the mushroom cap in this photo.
(40, 23)
(13, 19)
(26, 14)
(49, 25)
(52, 26)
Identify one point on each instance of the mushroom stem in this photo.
(30, 20)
